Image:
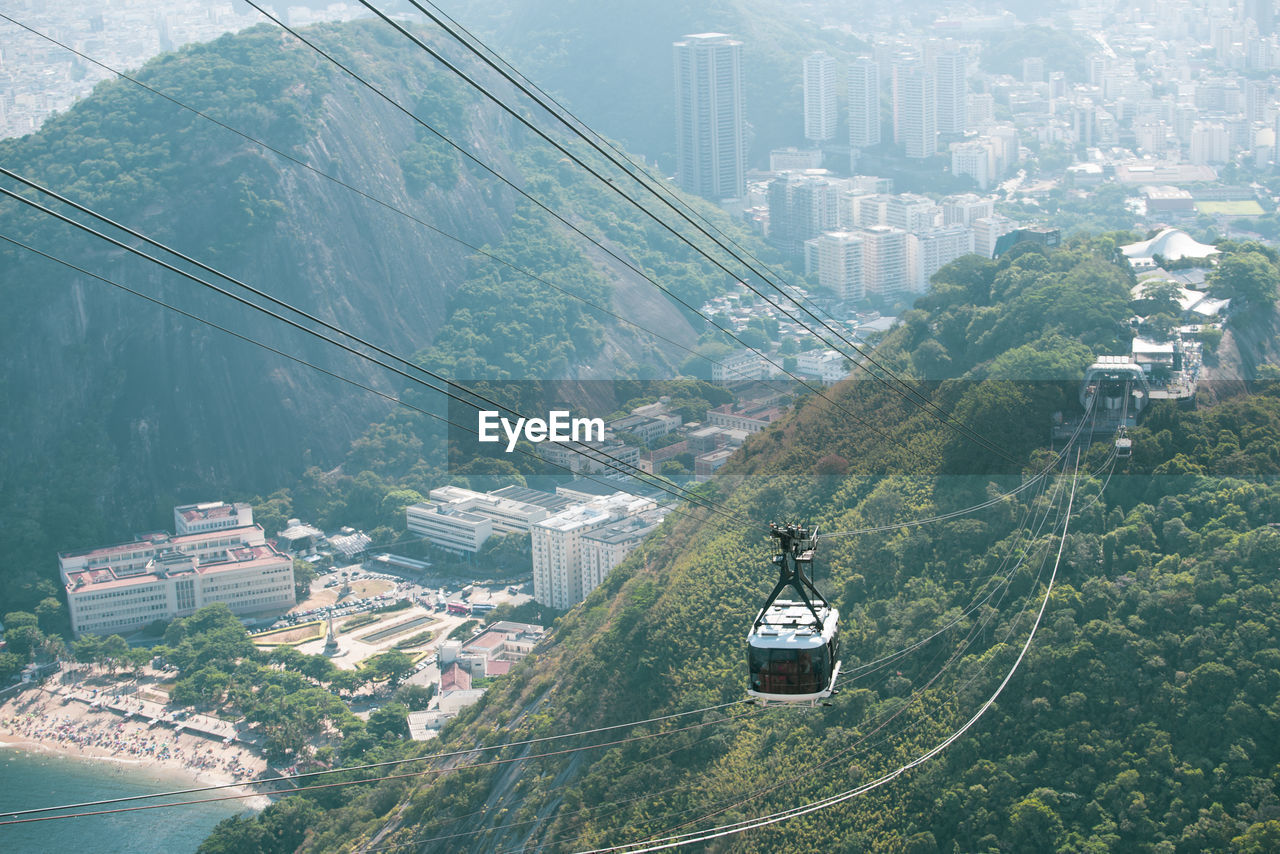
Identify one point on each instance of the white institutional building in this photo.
(217, 555)
(461, 519)
(574, 549)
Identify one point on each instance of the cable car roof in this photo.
(789, 625)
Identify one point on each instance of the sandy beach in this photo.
(45, 719)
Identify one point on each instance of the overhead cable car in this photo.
(1124, 445)
(794, 645)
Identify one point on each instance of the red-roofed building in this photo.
(455, 679)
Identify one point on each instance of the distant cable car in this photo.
(794, 645)
(1124, 445)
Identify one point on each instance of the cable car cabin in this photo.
(1124, 448)
(789, 660)
(793, 650)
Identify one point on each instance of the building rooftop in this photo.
(455, 678)
(528, 495)
(1172, 244)
(350, 544)
(210, 510)
(155, 539)
(625, 531)
(170, 563)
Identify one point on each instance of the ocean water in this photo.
(29, 780)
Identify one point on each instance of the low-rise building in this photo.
(705, 465)
(826, 365)
(507, 515)
(740, 367)
(753, 419)
(447, 527)
(298, 538)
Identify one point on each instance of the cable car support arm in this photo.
(796, 545)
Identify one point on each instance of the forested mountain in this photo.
(1143, 719)
(116, 408)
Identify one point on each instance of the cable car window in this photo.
(789, 671)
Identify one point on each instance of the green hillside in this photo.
(1143, 718)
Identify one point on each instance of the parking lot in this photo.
(371, 590)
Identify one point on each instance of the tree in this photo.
(1034, 826)
(87, 649)
(1249, 278)
(1261, 837)
(391, 721)
(1160, 296)
(416, 697)
(51, 615)
(303, 574)
(10, 665)
(18, 619)
(23, 639)
(394, 504)
(393, 666)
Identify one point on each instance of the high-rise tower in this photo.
(711, 149)
(864, 103)
(915, 118)
(951, 92)
(819, 97)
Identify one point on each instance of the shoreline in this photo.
(40, 720)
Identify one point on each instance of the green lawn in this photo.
(1243, 208)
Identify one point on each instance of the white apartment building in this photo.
(952, 89)
(864, 103)
(915, 115)
(711, 146)
(910, 212)
(885, 268)
(869, 209)
(560, 577)
(646, 426)
(989, 229)
(932, 249)
(606, 547)
(836, 256)
(742, 366)
(801, 206)
(211, 516)
(1210, 143)
(972, 159)
(793, 159)
(125, 587)
(819, 97)
(965, 209)
(980, 109)
(827, 365)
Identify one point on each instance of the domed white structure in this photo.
(1171, 244)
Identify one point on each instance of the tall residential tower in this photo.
(711, 148)
(819, 97)
(915, 112)
(864, 103)
(951, 92)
